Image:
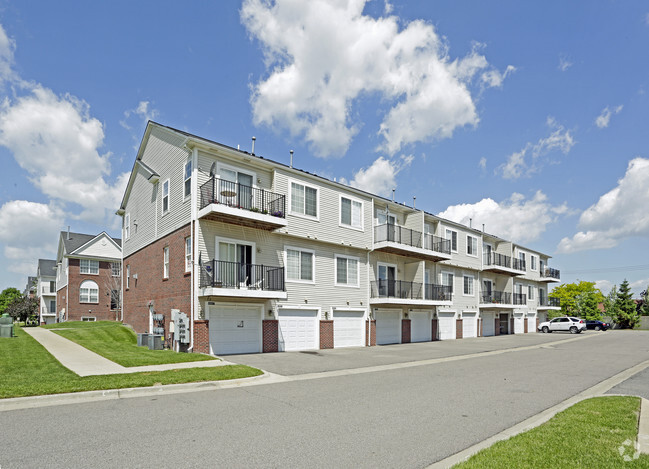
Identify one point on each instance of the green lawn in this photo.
(119, 343)
(27, 369)
(590, 434)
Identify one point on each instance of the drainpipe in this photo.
(194, 232)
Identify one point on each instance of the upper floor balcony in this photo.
(496, 299)
(238, 280)
(550, 275)
(406, 242)
(235, 203)
(549, 303)
(400, 292)
(502, 264)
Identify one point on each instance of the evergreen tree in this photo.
(627, 315)
(587, 304)
(644, 309)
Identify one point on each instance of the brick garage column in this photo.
(511, 324)
(537, 323)
(405, 331)
(434, 330)
(458, 328)
(525, 324)
(326, 334)
(370, 331)
(270, 333)
(201, 336)
(496, 326)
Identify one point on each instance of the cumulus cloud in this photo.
(604, 286)
(322, 57)
(517, 218)
(619, 214)
(530, 159)
(380, 177)
(604, 118)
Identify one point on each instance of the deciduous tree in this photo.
(569, 295)
(24, 308)
(8, 296)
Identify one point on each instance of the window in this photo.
(452, 237)
(114, 299)
(472, 246)
(347, 271)
(304, 200)
(188, 254)
(521, 257)
(52, 286)
(188, 178)
(88, 318)
(165, 267)
(127, 226)
(447, 280)
(530, 292)
(128, 276)
(88, 292)
(89, 267)
(382, 218)
(468, 285)
(52, 306)
(299, 265)
(533, 262)
(351, 213)
(165, 197)
(116, 269)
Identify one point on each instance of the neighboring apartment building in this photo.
(30, 288)
(46, 290)
(88, 277)
(265, 257)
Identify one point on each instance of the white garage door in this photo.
(349, 329)
(446, 325)
(388, 327)
(488, 324)
(469, 325)
(531, 324)
(234, 329)
(420, 326)
(519, 324)
(297, 330)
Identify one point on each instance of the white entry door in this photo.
(388, 327)
(446, 325)
(349, 329)
(531, 323)
(298, 329)
(420, 326)
(234, 329)
(469, 325)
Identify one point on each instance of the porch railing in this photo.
(438, 292)
(417, 239)
(496, 297)
(233, 194)
(545, 301)
(518, 264)
(397, 289)
(519, 298)
(549, 272)
(501, 260)
(224, 274)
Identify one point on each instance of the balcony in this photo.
(501, 264)
(399, 292)
(406, 242)
(231, 202)
(236, 280)
(549, 303)
(550, 275)
(519, 299)
(496, 299)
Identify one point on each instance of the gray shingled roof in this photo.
(79, 239)
(47, 267)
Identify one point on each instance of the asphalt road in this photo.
(408, 416)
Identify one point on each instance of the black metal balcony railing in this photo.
(496, 297)
(438, 292)
(232, 194)
(555, 302)
(519, 298)
(396, 289)
(549, 272)
(518, 264)
(493, 258)
(224, 274)
(398, 234)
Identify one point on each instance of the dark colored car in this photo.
(597, 325)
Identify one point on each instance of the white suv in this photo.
(566, 323)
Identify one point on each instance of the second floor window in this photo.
(533, 262)
(468, 285)
(165, 196)
(88, 292)
(187, 189)
(351, 213)
(530, 292)
(89, 266)
(128, 276)
(346, 271)
(452, 237)
(447, 280)
(304, 200)
(471, 246)
(116, 269)
(299, 265)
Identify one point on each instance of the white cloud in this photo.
(518, 165)
(322, 57)
(639, 286)
(516, 218)
(604, 286)
(143, 111)
(7, 47)
(564, 63)
(483, 163)
(619, 214)
(380, 177)
(604, 118)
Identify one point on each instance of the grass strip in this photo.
(118, 343)
(27, 369)
(594, 433)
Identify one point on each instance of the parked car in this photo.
(597, 325)
(565, 323)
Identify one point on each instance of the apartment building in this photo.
(88, 277)
(46, 290)
(264, 257)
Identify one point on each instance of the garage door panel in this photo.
(469, 325)
(388, 327)
(519, 324)
(297, 330)
(349, 329)
(235, 330)
(420, 326)
(488, 324)
(446, 325)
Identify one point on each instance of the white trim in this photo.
(89, 289)
(289, 209)
(313, 269)
(88, 273)
(358, 272)
(340, 213)
(302, 308)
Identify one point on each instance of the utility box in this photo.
(143, 340)
(181, 326)
(6, 326)
(155, 342)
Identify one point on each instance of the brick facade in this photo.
(326, 334)
(434, 330)
(370, 333)
(405, 331)
(68, 296)
(496, 326)
(270, 335)
(525, 325)
(458, 328)
(151, 288)
(511, 324)
(201, 336)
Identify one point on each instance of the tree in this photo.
(644, 308)
(569, 295)
(24, 308)
(626, 315)
(587, 306)
(8, 296)
(609, 303)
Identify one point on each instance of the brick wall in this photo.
(326, 334)
(511, 324)
(496, 326)
(166, 294)
(201, 336)
(370, 332)
(405, 331)
(270, 335)
(458, 328)
(105, 281)
(434, 330)
(525, 324)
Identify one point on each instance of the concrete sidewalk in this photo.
(84, 362)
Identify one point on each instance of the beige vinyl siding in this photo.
(263, 177)
(64, 274)
(142, 209)
(461, 258)
(414, 221)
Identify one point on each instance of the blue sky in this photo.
(529, 117)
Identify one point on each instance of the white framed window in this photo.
(468, 285)
(300, 265)
(88, 292)
(88, 318)
(116, 269)
(447, 279)
(347, 271)
(351, 213)
(521, 257)
(187, 177)
(165, 262)
(188, 254)
(165, 197)
(304, 200)
(451, 235)
(127, 226)
(128, 276)
(472, 246)
(532, 261)
(530, 292)
(88, 266)
(383, 218)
